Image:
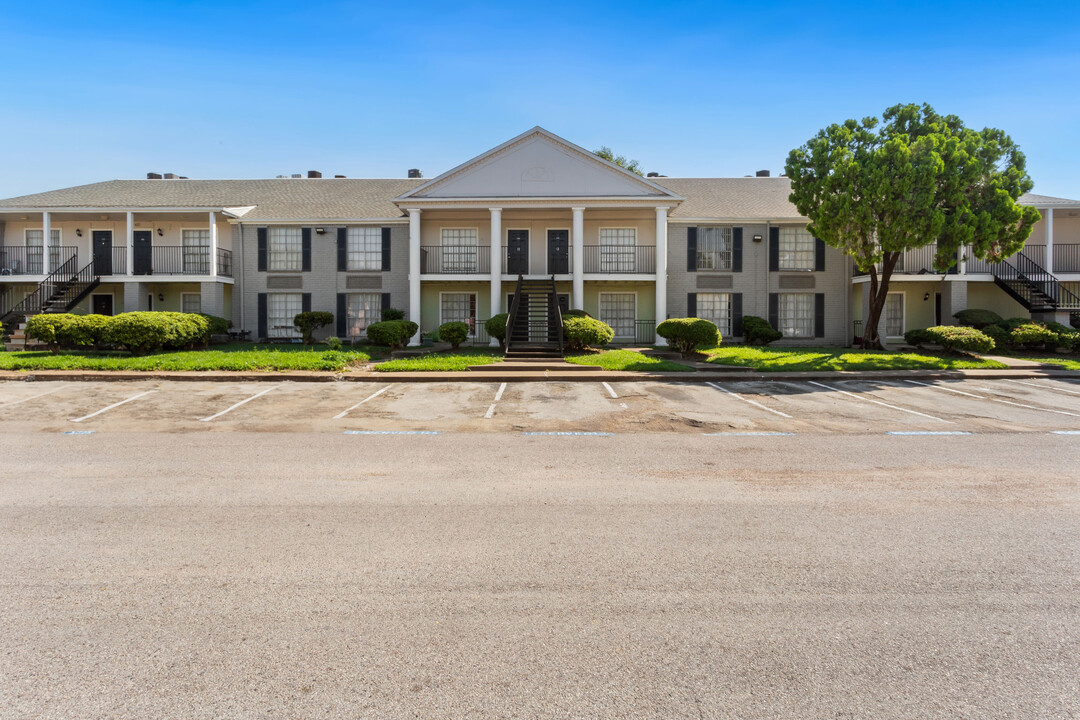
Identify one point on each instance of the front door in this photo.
(103, 252)
(558, 252)
(517, 252)
(143, 251)
(101, 304)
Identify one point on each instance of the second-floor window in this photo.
(460, 251)
(714, 248)
(285, 250)
(796, 249)
(617, 249)
(196, 250)
(364, 248)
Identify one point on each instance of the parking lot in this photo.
(841, 406)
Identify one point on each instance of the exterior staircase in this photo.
(1035, 287)
(57, 293)
(534, 323)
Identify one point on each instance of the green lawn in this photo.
(441, 361)
(768, 359)
(234, 356)
(627, 360)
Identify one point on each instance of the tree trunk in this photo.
(879, 290)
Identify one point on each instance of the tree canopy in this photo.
(874, 189)
(608, 154)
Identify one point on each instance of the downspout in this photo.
(238, 274)
(765, 314)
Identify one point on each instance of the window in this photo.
(35, 254)
(716, 308)
(459, 250)
(619, 310)
(33, 237)
(714, 248)
(796, 249)
(362, 309)
(281, 308)
(458, 307)
(364, 248)
(191, 302)
(796, 314)
(196, 252)
(285, 250)
(617, 249)
(894, 314)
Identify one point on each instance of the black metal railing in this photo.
(645, 331)
(224, 262)
(517, 262)
(618, 259)
(176, 260)
(1067, 257)
(455, 259)
(119, 261)
(1033, 285)
(36, 301)
(917, 261)
(23, 260)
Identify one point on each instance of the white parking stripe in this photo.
(498, 395)
(751, 402)
(32, 397)
(993, 399)
(878, 402)
(947, 389)
(491, 408)
(613, 395)
(1030, 384)
(242, 402)
(122, 402)
(345, 412)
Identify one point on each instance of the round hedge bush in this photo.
(958, 338)
(454, 332)
(496, 328)
(138, 332)
(392, 333)
(308, 322)
(83, 330)
(218, 325)
(977, 318)
(999, 335)
(582, 332)
(47, 328)
(758, 331)
(917, 338)
(1033, 335)
(687, 334)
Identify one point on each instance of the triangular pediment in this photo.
(538, 164)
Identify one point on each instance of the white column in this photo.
(130, 243)
(213, 245)
(1049, 239)
(496, 265)
(578, 244)
(46, 241)
(661, 270)
(414, 271)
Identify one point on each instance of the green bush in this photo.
(582, 332)
(393, 314)
(218, 325)
(976, 318)
(958, 338)
(496, 328)
(688, 334)
(308, 322)
(1069, 341)
(186, 330)
(758, 331)
(334, 343)
(82, 330)
(139, 332)
(1014, 322)
(454, 332)
(576, 313)
(1033, 335)
(999, 335)
(392, 333)
(917, 338)
(47, 328)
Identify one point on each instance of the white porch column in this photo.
(661, 270)
(1049, 239)
(578, 244)
(414, 271)
(46, 242)
(496, 265)
(213, 245)
(130, 244)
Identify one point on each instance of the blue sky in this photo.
(100, 90)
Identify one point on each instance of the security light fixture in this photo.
(320, 231)
(161, 297)
(757, 238)
(926, 296)
(160, 232)
(78, 232)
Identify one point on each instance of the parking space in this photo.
(847, 406)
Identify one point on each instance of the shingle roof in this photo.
(753, 197)
(1046, 200)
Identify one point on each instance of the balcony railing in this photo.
(23, 260)
(919, 261)
(455, 259)
(618, 259)
(645, 332)
(1066, 258)
(224, 262)
(518, 263)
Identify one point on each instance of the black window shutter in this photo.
(305, 234)
(774, 249)
(262, 313)
(819, 315)
(691, 304)
(342, 300)
(342, 249)
(736, 249)
(305, 302)
(819, 255)
(386, 248)
(736, 314)
(774, 310)
(691, 249)
(385, 303)
(262, 249)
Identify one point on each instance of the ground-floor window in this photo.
(716, 308)
(458, 307)
(281, 308)
(619, 310)
(795, 314)
(362, 309)
(191, 302)
(894, 314)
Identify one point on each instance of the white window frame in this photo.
(353, 327)
(187, 295)
(281, 260)
(784, 326)
(362, 257)
(59, 232)
(724, 324)
(794, 259)
(466, 258)
(706, 259)
(286, 329)
(475, 304)
(618, 257)
(600, 315)
(39, 256)
(903, 313)
(195, 261)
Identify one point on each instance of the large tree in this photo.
(874, 189)
(608, 154)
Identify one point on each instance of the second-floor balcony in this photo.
(29, 260)
(455, 259)
(112, 261)
(620, 259)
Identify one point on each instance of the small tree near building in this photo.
(608, 154)
(874, 189)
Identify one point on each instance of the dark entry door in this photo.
(101, 304)
(143, 263)
(517, 252)
(103, 252)
(558, 252)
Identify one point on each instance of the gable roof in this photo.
(1046, 201)
(730, 198)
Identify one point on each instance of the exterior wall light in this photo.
(320, 231)
(78, 232)
(757, 238)
(159, 232)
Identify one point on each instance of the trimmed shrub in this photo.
(333, 343)
(308, 322)
(958, 338)
(917, 338)
(496, 328)
(1069, 341)
(978, 319)
(392, 333)
(758, 331)
(1015, 322)
(999, 335)
(582, 332)
(218, 325)
(688, 334)
(139, 332)
(1033, 335)
(454, 332)
(47, 328)
(576, 313)
(82, 330)
(393, 314)
(185, 330)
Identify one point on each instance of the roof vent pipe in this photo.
(763, 173)
(414, 173)
(170, 176)
(339, 176)
(314, 174)
(296, 175)
(153, 176)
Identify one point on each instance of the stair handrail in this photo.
(558, 311)
(1026, 270)
(511, 315)
(45, 289)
